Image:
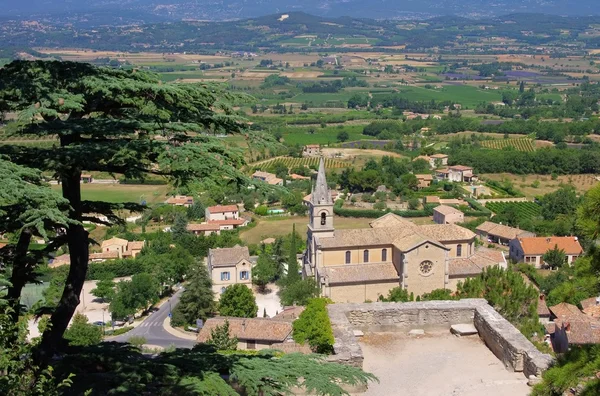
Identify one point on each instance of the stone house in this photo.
(531, 250)
(311, 150)
(424, 180)
(180, 200)
(268, 178)
(499, 233)
(122, 247)
(252, 333)
(355, 265)
(456, 173)
(436, 160)
(205, 229)
(447, 215)
(229, 266)
(221, 212)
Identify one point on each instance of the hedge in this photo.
(119, 268)
(479, 209)
(373, 214)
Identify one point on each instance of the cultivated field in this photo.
(522, 144)
(526, 183)
(123, 193)
(297, 162)
(524, 210)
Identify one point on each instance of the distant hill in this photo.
(151, 10)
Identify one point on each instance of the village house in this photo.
(221, 212)
(229, 266)
(571, 326)
(86, 178)
(122, 247)
(456, 173)
(268, 178)
(437, 160)
(447, 215)
(355, 265)
(180, 200)
(531, 250)
(499, 233)
(424, 180)
(205, 229)
(311, 150)
(251, 333)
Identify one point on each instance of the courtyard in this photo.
(437, 364)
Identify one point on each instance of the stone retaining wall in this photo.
(503, 339)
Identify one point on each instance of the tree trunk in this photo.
(20, 274)
(77, 240)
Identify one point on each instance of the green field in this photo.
(521, 144)
(464, 94)
(123, 193)
(524, 210)
(327, 135)
(296, 162)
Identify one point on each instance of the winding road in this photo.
(153, 331)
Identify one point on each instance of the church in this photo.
(358, 265)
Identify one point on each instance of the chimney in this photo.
(542, 297)
(548, 240)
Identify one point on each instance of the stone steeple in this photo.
(321, 195)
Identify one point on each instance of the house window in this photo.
(323, 218)
(383, 254)
(224, 276)
(348, 257)
(366, 256)
(251, 344)
(244, 275)
(458, 250)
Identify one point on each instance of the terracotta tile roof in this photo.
(540, 245)
(565, 311)
(294, 176)
(180, 200)
(364, 237)
(361, 273)
(461, 168)
(63, 259)
(267, 177)
(234, 222)
(136, 245)
(446, 232)
(542, 309)
(203, 227)
(432, 199)
(483, 257)
(224, 257)
(423, 157)
(290, 313)
(501, 230)
(446, 210)
(391, 220)
(104, 255)
(427, 176)
(439, 156)
(451, 201)
(222, 208)
(590, 302)
(260, 329)
(580, 332)
(114, 241)
(593, 311)
(442, 171)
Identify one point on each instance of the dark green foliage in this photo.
(265, 270)
(504, 290)
(179, 228)
(197, 300)
(293, 271)
(238, 300)
(220, 338)
(299, 293)
(588, 214)
(82, 333)
(554, 258)
(313, 326)
(105, 288)
(561, 202)
(397, 294)
(579, 363)
(135, 295)
(438, 294)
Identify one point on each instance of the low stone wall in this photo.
(503, 339)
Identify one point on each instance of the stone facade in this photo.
(503, 339)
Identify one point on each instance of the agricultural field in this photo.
(466, 95)
(525, 210)
(298, 162)
(521, 144)
(537, 185)
(117, 193)
(316, 135)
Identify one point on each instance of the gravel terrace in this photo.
(437, 365)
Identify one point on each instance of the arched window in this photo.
(366, 256)
(458, 250)
(348, 257)
(383, 254)
(323, 218)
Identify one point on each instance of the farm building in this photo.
(531, 250)
(499, 233)
(424, 180)
(180, 200)
(268, 178)
(447, 215)
(311, 150)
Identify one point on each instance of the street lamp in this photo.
(103, 329)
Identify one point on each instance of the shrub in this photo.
(137, 341)
(313, 326)
(82, 333)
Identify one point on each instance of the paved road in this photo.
(153, 331)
